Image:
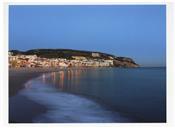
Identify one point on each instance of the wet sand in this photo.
(19, 76)
(23, 110)
(21, 113)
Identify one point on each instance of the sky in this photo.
(135, 31)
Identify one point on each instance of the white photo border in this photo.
(170, 61)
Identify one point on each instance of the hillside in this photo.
(69, 53)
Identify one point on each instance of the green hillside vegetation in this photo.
(61, 53)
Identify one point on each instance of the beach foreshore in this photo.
(18, 76)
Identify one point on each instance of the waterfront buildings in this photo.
(76, 61)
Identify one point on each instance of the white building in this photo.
(95, 54)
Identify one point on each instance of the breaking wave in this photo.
(67, 108)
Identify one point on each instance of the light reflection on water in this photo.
(62, 79)
(130, 90)
(69, 108)
(72, 80)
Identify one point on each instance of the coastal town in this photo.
(17, 61)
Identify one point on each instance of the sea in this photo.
(96, 95)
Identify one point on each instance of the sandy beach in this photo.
(17, 78)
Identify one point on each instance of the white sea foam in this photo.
(65, 107)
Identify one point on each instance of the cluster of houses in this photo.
(35, 61)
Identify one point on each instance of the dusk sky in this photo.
(135, 31)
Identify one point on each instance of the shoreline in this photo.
(17, 78)
(29, 105)
(22, 75)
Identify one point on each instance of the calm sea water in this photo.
(100, 95)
